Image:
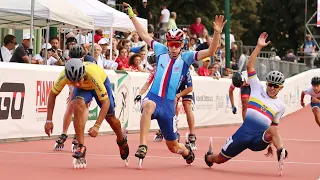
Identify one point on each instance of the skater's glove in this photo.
(128, 10)
(138, 98)
(234, 110)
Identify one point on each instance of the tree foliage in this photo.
(283, 20)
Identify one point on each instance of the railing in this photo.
(265, 65)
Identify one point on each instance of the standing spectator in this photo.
(163, 21)
(6, 50)
(203, 36)
(143, 10)
(309, 48)
(21, 53)
(98, 35)
(196, 28)
(232, 39)
(172, 21)
(203, 70)
(243, 60)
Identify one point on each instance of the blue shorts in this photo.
(244, 138)
(164, 114)
(314, 105)
(87, 96)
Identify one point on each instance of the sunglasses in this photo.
(174, 44)
(274, 85)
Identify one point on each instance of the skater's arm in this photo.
(142, 31)
(231, 96)
(185, 92)
(218, 25)
(260, 44)
(51, 104)
(105, 104)
(144, 88)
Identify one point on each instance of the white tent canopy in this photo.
(106, 16)
(15, 14)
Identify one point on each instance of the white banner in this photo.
(24, 91)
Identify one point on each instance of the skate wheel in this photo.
(156, 139)
(55, 146)
(79, 163)
(126, 162)
(72, 147)
(140, 163)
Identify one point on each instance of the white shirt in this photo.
(232, 40)
(310, 92)
(262, 110)
(166, 15)
(6, 54)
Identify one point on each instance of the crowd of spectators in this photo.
(129, 53)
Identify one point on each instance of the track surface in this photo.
(37, 160)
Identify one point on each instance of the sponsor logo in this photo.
(43, 89)
(204, 102)
(11, 100)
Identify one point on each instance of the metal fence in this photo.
(265, 65)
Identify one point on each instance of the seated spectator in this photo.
(10, 43)
(134, 63)
(52, 58)
(21, 53)
(203, 70)
(214, 71)
(110, 63)
(97, 55)
(227, 73)
(71, 41)
(122, 59)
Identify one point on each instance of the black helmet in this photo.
(237, 79)
(315, 80)
(152, 59)
(76, 51)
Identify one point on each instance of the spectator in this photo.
(192, 44)
(243, 60)
(196, 28)
(227, 73)
(172, 21)
(70, 42)
(10, 43)
(206, 44)
(163, 21)
(232, 39)
(143, 10)
(98, 35)
(214, 71)
(134, 63)
(203, 70)
(122, 59)
(97, 55)
(110, 63)
(54, 41)
(309, 48)
(203, 37)
(104, 43)
(21, 53)
(290, 57)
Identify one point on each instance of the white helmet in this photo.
(275, 77)
(74, 69)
